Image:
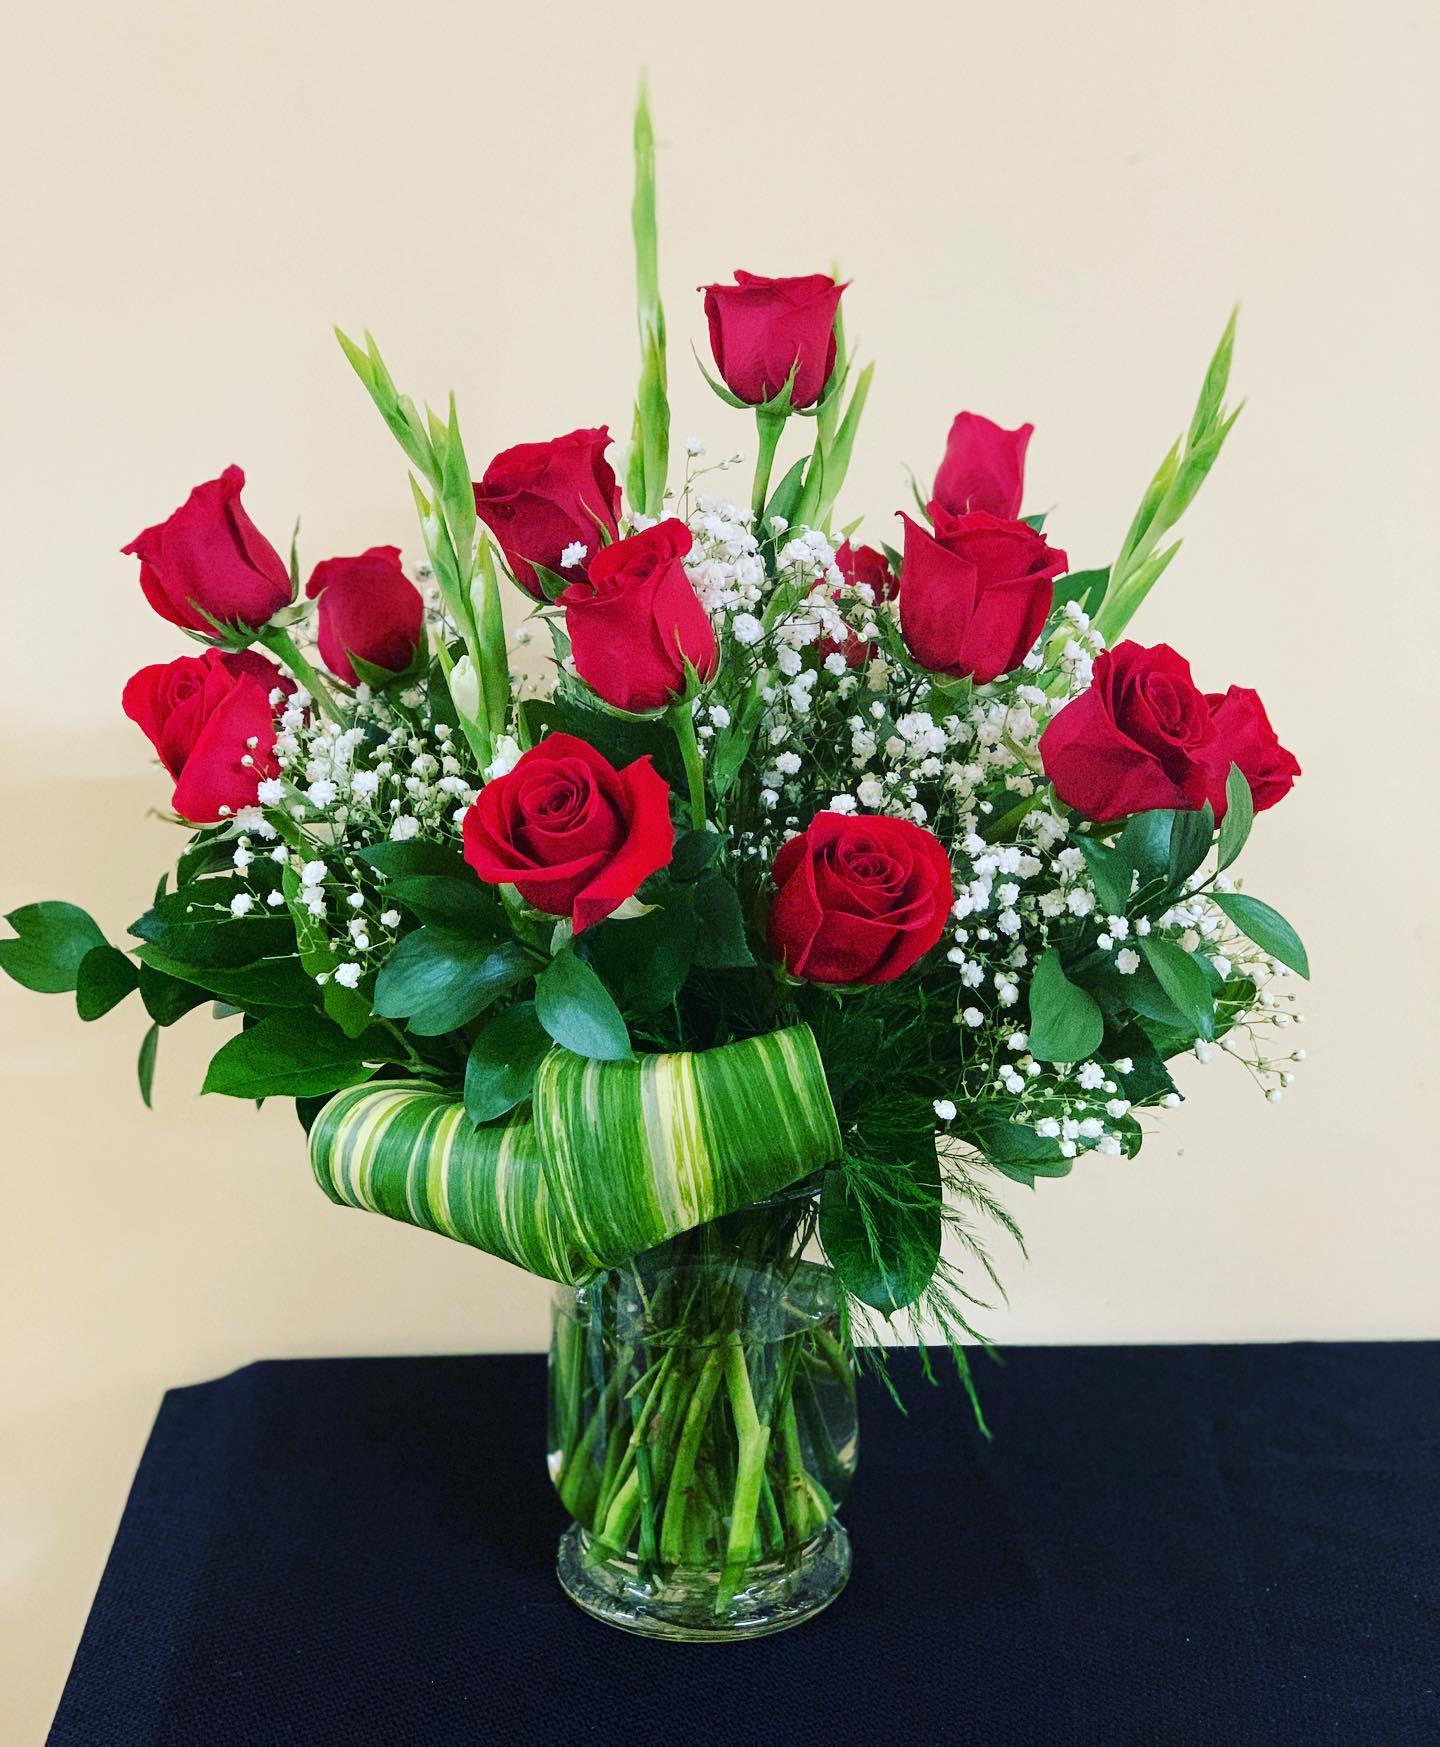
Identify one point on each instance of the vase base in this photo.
(688, 1606)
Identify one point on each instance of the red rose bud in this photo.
(538, 499)
(1247, 739)
(210, 558)
(761, 329)
(635, 620)
(983, 467)
(211, 720)
(975, 595)
(1140, 737)
(858, 899)
(369, 608)
(572, 834)
(864, 564)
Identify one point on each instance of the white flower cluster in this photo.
(392, 773)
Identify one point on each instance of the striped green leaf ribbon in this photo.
(614, 1158)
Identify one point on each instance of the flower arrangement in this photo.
(817, 886)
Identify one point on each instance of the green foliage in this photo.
(1184, 984)
(104, 978)
(1139, 565)
(1266, 927)
(720, 942)
(464, 906)
(52, 940)
(1239, 817)
(437, 980)
(276, 982)
(1066, 1024)
(650, 446)
(1016, 1151)
(621, 739)
(1191, 834)
(502, 1063)
(644, 960)
(578, 1011)
(881, 1226)
(1110, 873)
(289, 1055)
(398, 861)
(168, 998)
(145, 1063)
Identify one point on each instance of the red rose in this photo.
(975, 595)
(865, 564)
(1247, 739)
(1140, 737)
(635, 620)
(571, 833)
(858, 899)
(369, 608)
(760, 329)
(210, 558)
(539, 498)
(211, 720)
(983, 467)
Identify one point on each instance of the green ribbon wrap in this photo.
(613, 1158)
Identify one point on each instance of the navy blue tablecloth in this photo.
(1182, 1545)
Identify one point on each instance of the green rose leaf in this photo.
(503, 1060)
(145, 1064)
(105, 977)
(882, 1233)
(1109, 874)
(398, 861)
(465, 906)
(1190, 838)
(1184, 983)
(437, 980)
(1239, 817)
(579, 1012)
(1066, 1024)
(1266, 927)
(52, 940)
(288, 1055)
(720, 943)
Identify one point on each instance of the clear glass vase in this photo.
(702, 1432)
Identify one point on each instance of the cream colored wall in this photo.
(1047, 211)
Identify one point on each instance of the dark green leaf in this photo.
(105, 977)
(881, 1228)
(1109, 874)
(720, 942)
(578, 1010)
(1239, 817)
(503, 1060)
(787, 494)
(1081, 586)
(1183, 982)
(276, 982)
(195, 927)
(1145, 844)
(438, 981)
(399, 861)
(145, 1065)
(168, 998)
(463, 906)
(645, 960)
(1190, 838)
(1066, 1024)
(622, 739)
(694, 851)
(1266, 927)
(288, 1055)
(1148, 1080)
(1017, 1151)
(52, 940)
